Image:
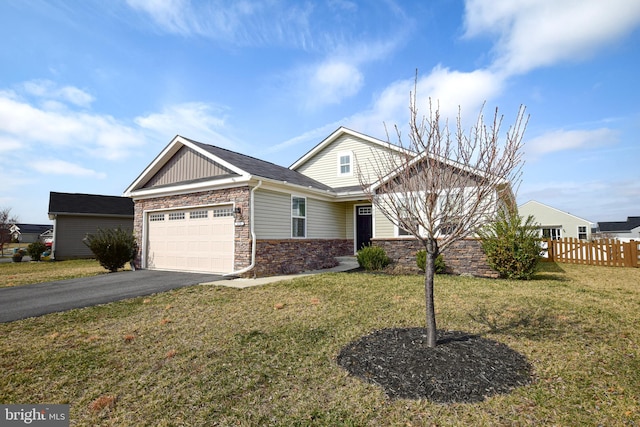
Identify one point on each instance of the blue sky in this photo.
(91, 91)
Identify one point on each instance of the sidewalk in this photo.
(347, 263)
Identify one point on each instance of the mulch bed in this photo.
(461, 368)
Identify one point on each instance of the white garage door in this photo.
(191, 240)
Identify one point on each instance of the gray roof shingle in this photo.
(631, 223)
(261, 168)
(93, 204)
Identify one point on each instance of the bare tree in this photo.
(441, 188)
(6, 221)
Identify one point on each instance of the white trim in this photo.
(169, 151)
(557, 210)
(337, 134)
(145, 224)
(306, 216)
(355, 223)
(351, 165)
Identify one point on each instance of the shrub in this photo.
(35, 250)
(512, 246)
(421, 260)
(372, 258)
(113, 248)
(17, 255)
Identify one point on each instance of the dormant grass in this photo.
(210, 355)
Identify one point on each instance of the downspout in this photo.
(253, 236)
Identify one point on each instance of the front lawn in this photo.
(210, 355)
(24, 273)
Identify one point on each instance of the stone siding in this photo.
(289, 256)
(240, 196)
(463, 257)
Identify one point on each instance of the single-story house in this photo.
(555, 224)
(29, 233)
(203, 208)
(621, 230)
(76, 215)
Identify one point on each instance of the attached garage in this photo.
(198, 239)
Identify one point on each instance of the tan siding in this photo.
(272, 215)
(325, 220)
(383, 228)
(71, 230)
(323, 166)
(186, 165)
(350, 221)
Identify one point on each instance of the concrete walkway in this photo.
(347, 263)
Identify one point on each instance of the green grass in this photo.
(209, 355)
(24, 273)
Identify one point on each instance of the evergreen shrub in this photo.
(112, 247)
(372, 258)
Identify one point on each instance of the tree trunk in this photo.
(429, 272)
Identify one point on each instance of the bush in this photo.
(35, 250)
(113, 248)
(17, 255)
(512, 246)
(372, 258)
(421, 260)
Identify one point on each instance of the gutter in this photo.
(253, 237)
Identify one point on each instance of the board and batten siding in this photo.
(323, 166)
(186, 165)
(70, 230)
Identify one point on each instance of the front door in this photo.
(364, 226)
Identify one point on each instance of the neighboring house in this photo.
(29, 233)
(76, 215)
(555, 224)
(621, 230)
(203, 208)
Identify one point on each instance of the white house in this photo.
(555, 224)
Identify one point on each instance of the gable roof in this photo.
(337, 134)
(535, 202)
(89, 204)
(32, 228)
(242, 168)
(628, 225)
(261, 168)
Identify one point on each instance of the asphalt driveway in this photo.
(25, 301)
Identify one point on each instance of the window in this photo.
(582, 232)
(156, 217)
(404, 215)
(198, 214)
(364, 210)
(298, 216)
(175, 216)
(551, 233)
(344, 164)
(221, 212)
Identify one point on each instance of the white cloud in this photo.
(560, 140)
(49, 91)
(536, 33)
(61, 167)
(195, 120)
(328, 83)
(449, 90)
(58, 127)
(243, 23)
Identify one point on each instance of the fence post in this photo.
(632, 252)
